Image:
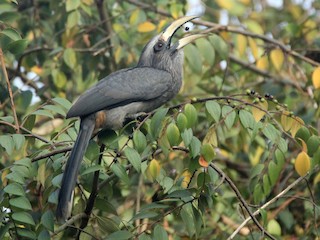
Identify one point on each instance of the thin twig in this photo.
(52, 153)
(93, 195)
(241, 199)
(10, 91)
(266, 205)
(68, 223)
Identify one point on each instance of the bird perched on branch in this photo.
(123, 95)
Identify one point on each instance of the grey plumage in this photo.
(155, 80)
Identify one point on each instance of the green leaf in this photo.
(187, 136)
(257, 194)
(180, 194)
(16, 177)
(229, 116)
(206, 50)
(69, 57)
(214, 109)
(139, 141)
(159, 233)
(194, 58)
(271, 132)
(279, 156)
(133, 157)
(72, 5)
(156, 122)
(188, 218)
(8, 119)
(20, 202)
(17, 47)
(120, 172)
(26, 233)
(59, 78)
(106, 206)
(266, 185)
(120, 235)
(144, 237)
(18, 140)
(247, 119)
(21, 170)
(153, 206)
(313, 144)
(63, 102)
(11, 33)
(173, 134)
(55, 109)
(47, 220)
(144, 215)
(195, 147)
(273, 173)
(256, 170)
(73, 19)
(191, 114)
(43, 113)
(24, 162)
(44, 235)
(23, 217)
(219, 45)
(7, 143)
(92, 169)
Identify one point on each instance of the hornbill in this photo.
(124, 95)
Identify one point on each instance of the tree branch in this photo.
(10, 91)
(296, 182)
(241, 199)
(93, 195)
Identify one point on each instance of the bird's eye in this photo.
(158, 47)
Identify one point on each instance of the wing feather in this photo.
(122, 87)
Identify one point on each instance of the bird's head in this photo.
(160, 53)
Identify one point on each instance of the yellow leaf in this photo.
(118, 54)
(211, 137)
(225, 35)
(254, 48)
(161, 25)
(302, 164)
(186, 178)
(242, 44)
(153, 169)
(296, 125)
(277, 58)
(262, 63)
(304, 145)
(226, 4)
(316, 179)
(316, 78)
(146, 27)
(254, 26)
(255, 159)
(286, 121)
(134, 18)
(37, 70)
(257, 113)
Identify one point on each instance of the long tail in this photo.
(69, 179)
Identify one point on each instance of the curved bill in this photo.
(186, 40)
(173, 27)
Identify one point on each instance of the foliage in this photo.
(241, 141)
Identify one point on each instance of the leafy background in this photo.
(235, 155)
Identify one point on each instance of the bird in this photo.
(123, 95)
